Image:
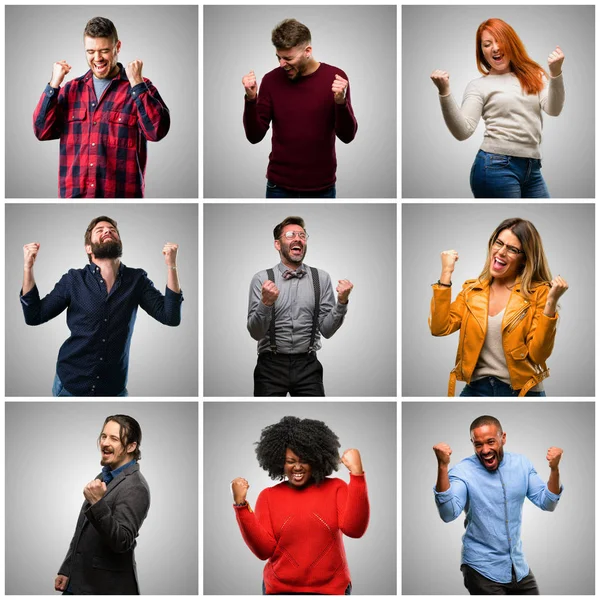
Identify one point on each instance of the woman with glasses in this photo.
(511, 96)
(507, 316)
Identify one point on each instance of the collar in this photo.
(108, 475)
(481, 285)
(120, 75)
(282, 268)
(94, 268)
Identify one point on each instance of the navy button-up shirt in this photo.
(94, 360)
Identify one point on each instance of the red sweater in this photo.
(300, 533)
(306, 120)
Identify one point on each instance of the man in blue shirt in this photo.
(490, 487)
(101, 301)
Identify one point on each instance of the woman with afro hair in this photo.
(297, 525)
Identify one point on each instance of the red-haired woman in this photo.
(510, 97)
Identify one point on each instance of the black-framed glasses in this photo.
(510, 249)
(290, 235)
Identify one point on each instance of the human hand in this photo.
(30, 252)
(134, 72)
(441, 80)
(555, 61)
(269, 293)
(343, 289)
(60, 583)
(59, 70)
(449, 258)
(170, 252)
(94, 491)
(442, 453)
(558, 286)
(553, 457)
(249, 82)
(351, 459)
(239, 488)
(339, 87)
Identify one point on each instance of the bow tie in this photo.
(289, 274)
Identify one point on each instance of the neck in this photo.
(311, 66)
(506, 282)
(109, 267)
(291, 265)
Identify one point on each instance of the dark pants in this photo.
(348, 592)
(492, 386)
(476, 583)
(296, 374)
(276, 191)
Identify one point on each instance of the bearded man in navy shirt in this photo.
(101, 301)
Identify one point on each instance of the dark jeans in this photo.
(298, 374)
(275, 191)
(348, 592)
(476, 583)
(490, 386)
(500, 176)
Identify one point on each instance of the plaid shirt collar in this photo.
(122, 75)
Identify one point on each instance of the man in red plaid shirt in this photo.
(103, 120)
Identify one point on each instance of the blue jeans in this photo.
(58, 389)
(490, 386)
(500, 176)
(275, 191)
(348, 591)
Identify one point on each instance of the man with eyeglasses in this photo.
(290, 307)
(309, 105)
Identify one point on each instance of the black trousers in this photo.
(476, 583)
(296, 374)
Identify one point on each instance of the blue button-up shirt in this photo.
(94, 360)
(493, 504)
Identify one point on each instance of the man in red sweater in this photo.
(309, 104)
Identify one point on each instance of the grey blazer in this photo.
(100, 559)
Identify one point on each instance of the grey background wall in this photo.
(567, 232)
(349, 241)
(434, 163)
(51, 454)
(163, 360)
(361, 40)
(230, 430)
(559, 545)
(165, 38)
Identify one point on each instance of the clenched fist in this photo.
(339, 87)
(134, 72)
(94, 491)
(59, 70)
(449, 258)
(351, 459)
(441, 80)
(269, 293)
(555, 61)
(442, 453)
(61, 582)
(170, 252)
(343, 289)
(30, 252)
(239, 488)
(558, 287)
(249, 83)
(553, 457)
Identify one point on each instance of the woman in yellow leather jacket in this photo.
(507, 316)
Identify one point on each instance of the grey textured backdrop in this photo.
(559, 546)
(51, 454)
(165, 38)
(567, 232)
(349, 241)
(361, 40)
(230, 430)
(434, 163)
(163, 360)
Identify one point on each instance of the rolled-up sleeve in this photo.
(451, 502)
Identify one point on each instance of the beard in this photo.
(285, 251)
(111, 249)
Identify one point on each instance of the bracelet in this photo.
(174, 268)
(244, 503)
(444, 284)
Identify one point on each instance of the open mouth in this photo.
(296, 250)
(498, 264)
(498, 58)
(298, 476)
(106, 453)
(101, 67)
(489, 460)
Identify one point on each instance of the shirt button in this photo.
(93, 143)
(98, 377)
(105, 320)
(93, 104)
(91, 185)
(119, 118)
(95, 122)
(102, 281)
(103, 340)
(91, 164)
(103, 359)
(50, 92)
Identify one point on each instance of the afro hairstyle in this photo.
(311, 440)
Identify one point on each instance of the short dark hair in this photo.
(129, 432)
(90, 228)
(311, 440)
(100, 27)
(485, 420)
(290, 33)
(287, 221)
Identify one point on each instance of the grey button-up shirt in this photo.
(294, 310)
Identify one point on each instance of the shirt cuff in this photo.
(554, 497)
(31, 295)
(169, 293)
(441, 497)
(50, 91)
(341, 309)
(263, 310)
(136, 90)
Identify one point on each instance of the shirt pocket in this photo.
(122, 129)
(76, 118)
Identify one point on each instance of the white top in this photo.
(513, 119)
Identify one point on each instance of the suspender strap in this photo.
(317, 288)
(272, 342)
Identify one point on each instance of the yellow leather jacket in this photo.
(527, 334)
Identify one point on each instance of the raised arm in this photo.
(258, 110)
(552, 97)
(331, 314)
(353, 500)
(450, 492)
(48, 118)
(546, 496)
(345, 121)
(165, 309)
(445, 316)
(260, 303)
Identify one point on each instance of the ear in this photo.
(308, 49)
(88, 249)
(118, 46)
(277, 245)
(504, 437)
(131, 447)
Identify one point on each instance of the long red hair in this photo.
(528, 72)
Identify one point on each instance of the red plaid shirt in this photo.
(102, 142)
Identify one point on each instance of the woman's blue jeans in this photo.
(490, 386)
(276, 191)
(500, 176)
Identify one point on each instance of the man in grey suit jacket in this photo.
(100, 559)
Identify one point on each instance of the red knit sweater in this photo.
(300, 533)
(306, 120)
